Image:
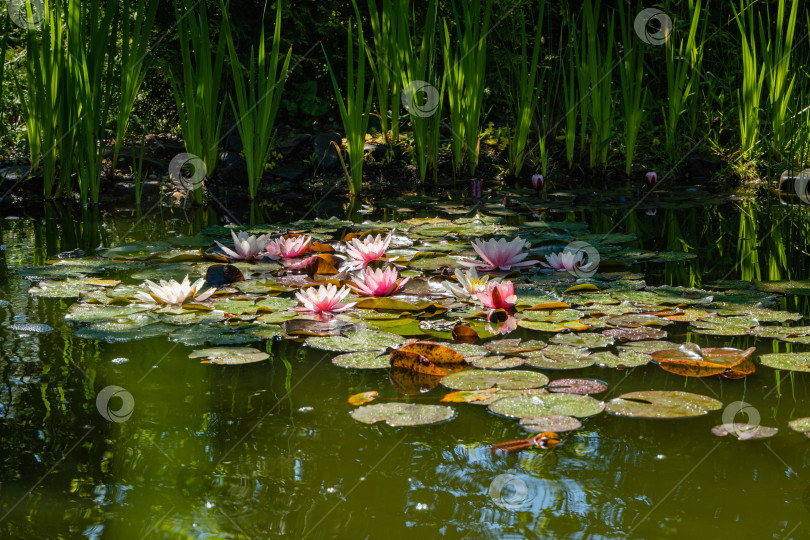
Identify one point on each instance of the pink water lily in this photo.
(370, 249)
(498, 295)
(567, 261)
(324, 299)
(537, 181)
(292, 247)
(246, 247)
(651, 178)
(500, 254)
(378, 282)
(173, 293)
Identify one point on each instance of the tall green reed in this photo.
(528, 92)
(136, 28)
(258, 96)
(422, 91)
(680, 76)
(596, 72)
(465, 69)
(568, 67)
(776, 53)
(385, 66)
(634, 94)
(749, 97)
(197, 93)
(354, 112)
(91, 49)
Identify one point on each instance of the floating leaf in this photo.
(230, 355)
(586, 340)
(546, 404)
(497, 362)
(403, 414)
(463, 333)
(479, 379)
(801, 424)
(435, 352)
(635, 334)
(744, 432)
(788, 361)
(415, 362)
(692, 361)
(469, 396)
(582, 287)
(626, 359)
(577, 386)
(363, 360)
(355, 340)
(550, 422)
(363, 398)
(662, 404)
(514, 346)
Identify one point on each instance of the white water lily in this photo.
(174, 293)
(246, 246)
(567, 261)
(468, 283)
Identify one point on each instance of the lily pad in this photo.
(800, 424)
(787, 361)
(479, 379)
(545, 404)
(744, 432)
(550, 422)
(403, 414)
(497, 362)
(577, 386)
(587, 340)
(363, 360)
(356, 340)
(626, 359)
(230, 355)
(662, 404)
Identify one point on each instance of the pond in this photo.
(269, 449)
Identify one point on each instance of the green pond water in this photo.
(269, 450)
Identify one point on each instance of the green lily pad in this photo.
(497, 362)
(550, 422)
(479, 379)
(112, 332)
(647, 346)
(587, 340)
(363, 360)
(577, 386)
(356, 340)
(230, 355)
(545, 404)
(626, 359)
(787, 361)
(403, 414)
(206, 334)
(800, 424)
(90, 313)
(662, 404)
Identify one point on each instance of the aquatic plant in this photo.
(465, 69)
(197, 92)
(370, 249)
(354, 112)
(173, 293)
(499, 254)
(378, 282)
(385, 62)
(469, 283)
(246, 246)
(528, 91)
(258, 91)
(498, 295)
(290, 247)
(566, 261)
(634, 94)
(323, 299)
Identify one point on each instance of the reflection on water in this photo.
(268, 450)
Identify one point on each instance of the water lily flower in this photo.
(651, 178)
(370, 249)
(324, 299)
(500, 254)
(468, 283)
(537, 181)
(174, 293)
(378, 283)
(246, 247)
(498, 295)
(567, 261)
(290, 248)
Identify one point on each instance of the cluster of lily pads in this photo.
(405, 296)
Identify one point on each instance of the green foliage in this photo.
(257, 99)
